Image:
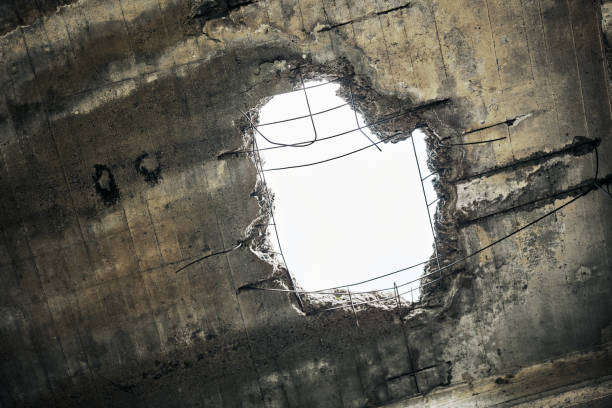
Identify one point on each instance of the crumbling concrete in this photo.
(117, 124)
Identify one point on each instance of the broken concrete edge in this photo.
(372, 105)
(172, 363)
(443, 162)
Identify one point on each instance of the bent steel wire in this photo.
(594, 186)
(516, 231)
(300, 144)
(357, 120)
(303, 116)
(344, 290)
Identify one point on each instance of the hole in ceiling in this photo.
(349, 219)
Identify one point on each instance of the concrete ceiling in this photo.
(116, 119)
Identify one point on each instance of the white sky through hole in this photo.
(349, 219)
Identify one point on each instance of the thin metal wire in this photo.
(433, 202)
(328, 291)
(433, 232)
(399, 305)
(314, 128)
(425, 275)
(380, 299)
(507, 236)
(378, 122)
(342, 305)
(462, 259)
(308, 143)
(357, 120)
(255, 149)
(304, 116)
(299, 144)
(353, 307)
(419, 279)
(406, 343)
(263, 177)
(303, 144)
(428, 176)
(335, 157)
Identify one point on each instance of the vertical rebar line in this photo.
(410, 361)
(263, 177)
(357, 120)
(353, 307)
(398, 297)
(314, 128)
(433, 233)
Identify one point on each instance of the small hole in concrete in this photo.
(349, 219)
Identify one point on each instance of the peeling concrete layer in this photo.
(115, 123)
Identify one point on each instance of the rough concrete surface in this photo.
(117, 123)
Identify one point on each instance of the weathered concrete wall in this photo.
(112, 118)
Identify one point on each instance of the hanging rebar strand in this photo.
(353, 307)
(314, 128)
(429, 175)
(303, 116)
(447, 266)
(397, 296)
(433, 233)
(465, 258)
(434, 201)
(259, 169)
(357, 119)
(346, 132)
(406, 342)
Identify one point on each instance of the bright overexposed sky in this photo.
(349, 219)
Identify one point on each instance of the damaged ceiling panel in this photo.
(133, 217)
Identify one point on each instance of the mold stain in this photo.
(105, 185)
(149, 168)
